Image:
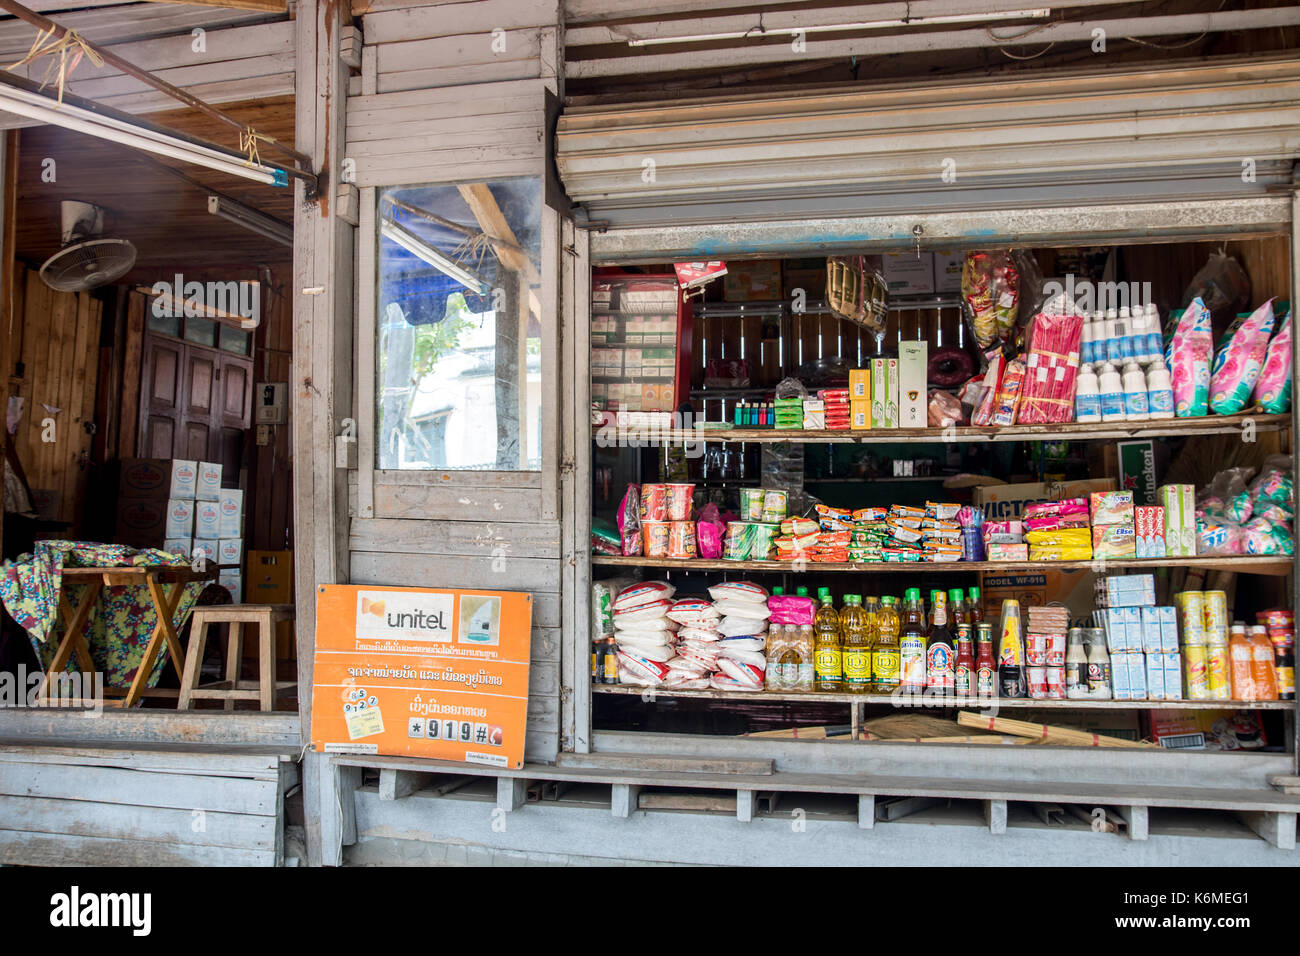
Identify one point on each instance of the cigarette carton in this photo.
(180, 518)
(208, 484)
(912, 396)
(1179, 502)
(207, 520)
(860, 414)
(884, 393)
(184, 481)
(860, 384)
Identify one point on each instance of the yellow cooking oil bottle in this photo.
(826, 655)
(857, 646)
(885, 654)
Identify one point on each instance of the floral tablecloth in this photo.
(120, 623)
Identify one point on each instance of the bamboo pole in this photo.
(1045, 733)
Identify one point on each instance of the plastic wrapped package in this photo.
(629, 521)
(1188, 358)
(990, 286)
(1221, 285)
(1273, 388)
(1240, 360)
(943, 410)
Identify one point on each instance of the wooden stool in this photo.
(235, 616)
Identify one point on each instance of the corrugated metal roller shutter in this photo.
(1127, 135)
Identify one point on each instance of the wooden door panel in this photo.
(200, 375)
(236, 392)
(197, 437)
(158, 438)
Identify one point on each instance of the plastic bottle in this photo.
(1114, 350)
(964, 674)
(857, 646)
(940, 656)
(911, 642)
(1098, 665)
(1098, 324)
(1241, 657)
(1155, 341)
(1124, 328)
(957, 613)
(782, 664)
(986, 672)
(886, 655)
(1076, 665)
(806, 645)
(1284, 668)
(1011, 652)
(827, 661)
(1160, 391)
(1087, 396)
(1262, 668)
(1087, 343)
(1112, 394)
(974, 605)
(1136, 408)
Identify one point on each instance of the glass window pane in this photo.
(235, 340)
(459, 349)
(201, 331)
(165, 324)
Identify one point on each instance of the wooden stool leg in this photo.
(234, 656)
(193, 663)
(266, 661)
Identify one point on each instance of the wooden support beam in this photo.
(265, 6)
(1277, 828)
(492, 221)
(623, 799)
(1137, 819)
(338, 808)
(512, 793)
(866, 811)
(995, 814)
(396, 784)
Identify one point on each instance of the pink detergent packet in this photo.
(1273, 388)
(1189, 361)
(1235, 375)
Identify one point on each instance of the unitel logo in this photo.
(76, 909)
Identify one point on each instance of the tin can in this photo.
(1196, 678)
(654, 503)
(1056, 650)
(1038, 682)
(1191, 617)
(679, 501)
(751, 504)
(1036, 649)
(656, 538)
(1055, 683)
(1217, 672)
(681, 539)
(1216, 609)
(775, 505)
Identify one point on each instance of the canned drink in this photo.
(1036, 649)
(1216, 609)
(1217, 671)
(1196, 678)
(679, 501)
(1191, 616)
(654, 503)
(1038, 682)
(656, 538)
(1056, 683)
(1056, 650)
(681, 539)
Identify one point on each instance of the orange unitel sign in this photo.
(421, 672)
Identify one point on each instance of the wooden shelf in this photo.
(1272, 565)
(924, 703)
(1171, 428)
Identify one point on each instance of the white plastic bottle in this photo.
(1155, 341)
(1114, 351)
(1087, 396)
(1137, 325)
(1124, 326)
(1160, 391)
(1086, 343)
(1112, 394)
(1136, 408)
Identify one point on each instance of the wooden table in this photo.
(154, 577)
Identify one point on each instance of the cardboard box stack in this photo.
(1145, 663)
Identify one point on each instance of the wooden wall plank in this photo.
(179, 791)
(18, 848)
(455, 504)
(441, 20)
(133, 358)
(467, 52)
(420, 570)
(526, 69)
(145, 824)
(516, 539)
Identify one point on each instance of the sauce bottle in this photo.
(975, 606)
(886, 658)
(828, 666)
(986, 673)
(957, 612)
(940, 659)
(857, 646)
(964, 677)
(911, 644)
(1262, 668)
(1011, 652)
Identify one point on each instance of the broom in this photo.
(1046, 733)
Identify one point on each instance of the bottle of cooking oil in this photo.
(871, 605)
(782, 663)
(827, 655)
(806, 648)
(857, 646)
(885, 653)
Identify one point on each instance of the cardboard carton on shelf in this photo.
(207, 486)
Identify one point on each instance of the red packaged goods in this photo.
(1276, 617)
(656, 538)
(1010, 389)
(1052, 369)
(654, 502)
(990, 285)
(681, 539)
(983, 413)
(679, 502)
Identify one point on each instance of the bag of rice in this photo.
(644, 593)
(739, 591)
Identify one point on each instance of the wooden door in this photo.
(196, 402)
